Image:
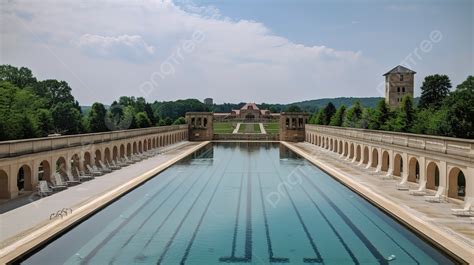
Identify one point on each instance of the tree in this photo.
(142, 120)
(338, 118)
(66, 118)
(21, 78)
(434, 90)
(45, 122)
(380, 116)
(180, 120)
(293, 108)
(97, 118)
(354, 114)
(405, 115)
(460, 110)
(329, 111)
(54, 92)
(319, 118)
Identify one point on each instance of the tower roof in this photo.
(400, 70)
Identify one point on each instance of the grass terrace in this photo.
(224, 127)
(272, 127)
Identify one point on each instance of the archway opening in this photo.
(375, 158)
(4, 185)
(129, 149)
(457, 184)
(98, 157)
(366, 155)
(413, 170)
(122, 151)
(385, 161)
(140, 149)
(24, 180)
(107, 154)
(87, 161)
(398, 165)
(134, 147)
(61, 166)
(115, 153)
(358, 153)
(351, 152)
(432, 176)
(75, 165)
(44, 171)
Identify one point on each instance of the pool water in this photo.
(240, 203)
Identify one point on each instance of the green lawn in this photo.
(249, 128)
(223, 127)
(272, 128)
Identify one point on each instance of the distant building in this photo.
(208, 101)
(249, 112)
(398, 82)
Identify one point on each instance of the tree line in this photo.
(439, 111)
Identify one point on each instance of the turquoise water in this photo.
(240, 203)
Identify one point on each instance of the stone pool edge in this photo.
(33, 240)
(441, 239)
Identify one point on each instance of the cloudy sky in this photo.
(247, 50)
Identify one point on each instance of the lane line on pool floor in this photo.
(170, 241)
(357, 232)
(369, 219)
(271, 257)
(191, 242)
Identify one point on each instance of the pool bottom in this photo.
(240, 203)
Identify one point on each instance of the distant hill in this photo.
(314, 104)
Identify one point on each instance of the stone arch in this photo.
(134, 151)
(351, 151)
(327, 143)
(44, 171)
(24, 180)
(341, 148)
(145, 145)
(115, 153)
(385, 161)
(107, 156)
(346, 148)
(358, 153)
(331, 144)
(98, 157)
(129, 149)
(457, 183)
(365, 157)
(375, 158)
(153, 142)
(398, 165)
(149, 144)
(122, 151)
(87, 160)
(61, 166)
(413, 170)
(140, 148)
(4, 185)
(432, 175)
(75, 162)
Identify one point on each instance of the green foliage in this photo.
(460, 110)
(180, 120)
(405, 115)
(329, 111)
(142, 120)
(66, 118)
(338, 118)
(293, 108)
(380, 116)
(97, 118)
(319, 117)
(176, 109)
(20, 78)
(353, 116)
(434, 90)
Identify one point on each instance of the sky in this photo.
(273, 51)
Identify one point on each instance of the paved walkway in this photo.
(26, 218)
(262, 129)
(438, 214)
(236, 130)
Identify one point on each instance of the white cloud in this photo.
(129, 47)
(237, 60)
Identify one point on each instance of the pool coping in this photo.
(35, 239)
(453, 247)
